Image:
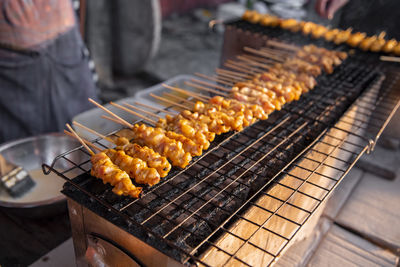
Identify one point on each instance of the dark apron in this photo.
(43, 89)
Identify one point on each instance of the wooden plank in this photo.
(342, 248)
(373, 210)
(301, 252)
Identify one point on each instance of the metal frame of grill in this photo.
(186, 215)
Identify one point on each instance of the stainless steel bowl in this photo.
(45, 198)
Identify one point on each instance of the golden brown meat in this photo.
(377, 45)
(228, 119)
(194, 130)
(270, 21)
(356, 38)
(136, 168)
(308, 27)
(396, 50)
(104, 169)
(367, 42)
(156, 139)
(331, 34)
(342, 36)
(153, 159)
(188, 144)
(389, 46)
(318, 31)
(247, 15)
(288, 24)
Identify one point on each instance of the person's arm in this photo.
(328, 8)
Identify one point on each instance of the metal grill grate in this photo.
(192, 213)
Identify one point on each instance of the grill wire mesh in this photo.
(188, 213)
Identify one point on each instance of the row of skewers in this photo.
(260, 82)
(375, 43)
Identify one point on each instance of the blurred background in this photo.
(136, 44)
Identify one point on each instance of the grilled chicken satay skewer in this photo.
(165, 146)
(152, 158)
(224, 102)
(154, 138)
(194, 130)
(136, 168)
(252, 97)
(230, 107)
(188, 144)
(172, 121)
(193, 146)
(103, 168)
(214, 122)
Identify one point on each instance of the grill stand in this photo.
(291, 197)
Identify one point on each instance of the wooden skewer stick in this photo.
(198, 96)
(168, 101)
(93, 132)
(127, 124)
(225, 76)
(134, 113)
(230, 75)
(206, 89)
(244, 75)
(234, 67)
(142, 110)
(263, 54)
(156, 109)
(283, 45)
(211, 85)
(277, 51)
(391, 59)
(230, 80)
(115, 120)
(80, 139)
(179, 98)
(255, 63)
(260, 59)
(86, 142)
(223, 79)
(213, 79)
(243, 64)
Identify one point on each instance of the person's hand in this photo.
(328, 8)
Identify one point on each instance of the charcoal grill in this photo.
(246, 199)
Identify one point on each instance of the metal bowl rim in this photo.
(32, 204)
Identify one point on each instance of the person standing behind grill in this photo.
(371, 17)
(44, 75)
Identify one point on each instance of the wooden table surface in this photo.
(24, 240)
